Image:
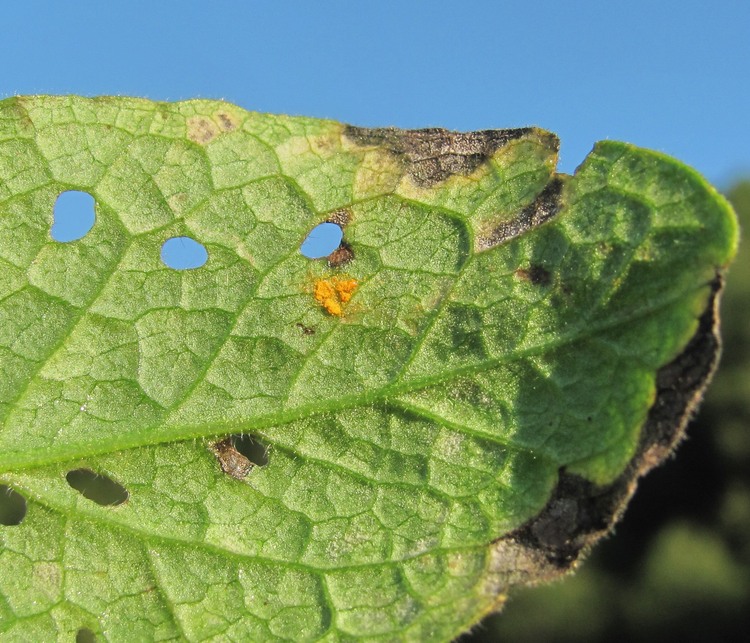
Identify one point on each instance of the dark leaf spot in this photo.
(238, 454)
(97, 487)
(341, 256)
(201, 130)
(12, 507)
(226, 121)
(536, 274)
(679, 388)
(306, 330)
(73, 216)
(183, 253)
(579, 512)
(544, 207)
(432, 155)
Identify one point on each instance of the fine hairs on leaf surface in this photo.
(458, 398)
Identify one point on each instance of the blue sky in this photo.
(672, 76)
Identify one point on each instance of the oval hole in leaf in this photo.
(322, 240)
(85, 635)
(183, 253)
(73, 216)
(252, 448)
(99, 488)
(12, 506)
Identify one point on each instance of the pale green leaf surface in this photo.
(406, 436)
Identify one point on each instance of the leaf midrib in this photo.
(160, 434)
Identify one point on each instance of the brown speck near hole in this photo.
(340, 217)
(536, 274)
(341, 256)
(231, 460)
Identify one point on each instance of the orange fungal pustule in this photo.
(332, 293)
(345, 288)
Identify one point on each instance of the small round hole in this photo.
(322, 240)
(12, 506)
(99, 488)
(183, 253)
(73, 216)
(85, 635)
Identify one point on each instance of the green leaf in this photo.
(457, 400)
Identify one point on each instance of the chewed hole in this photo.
(12, 506)
(73, 216)
(97, 487)
(85, 635)
(183, 253)
(252, 448)
(322, 240)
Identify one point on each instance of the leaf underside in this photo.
(459, 399)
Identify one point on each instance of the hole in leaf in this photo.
(12, 506)
(99, 488)
(85, 635)
(252, 448)
(73, 216)
(323, 239)
(183, 253)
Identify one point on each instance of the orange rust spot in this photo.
(345, 289)
(332, 293)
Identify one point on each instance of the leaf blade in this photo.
(417, 439)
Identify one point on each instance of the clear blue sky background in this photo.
(669, 75)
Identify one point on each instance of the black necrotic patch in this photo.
(541, 210)
(580, 512)
(432, 155)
